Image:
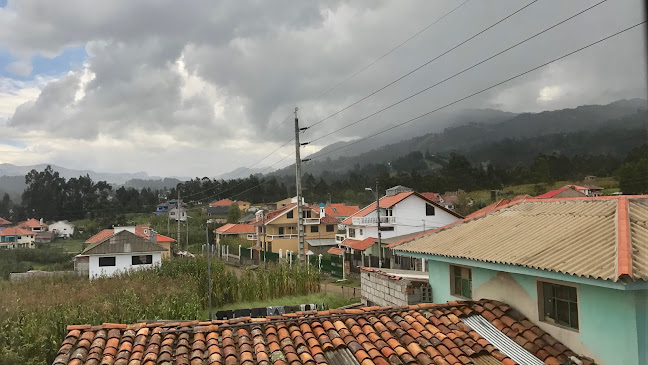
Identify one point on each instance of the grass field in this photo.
(70, 245)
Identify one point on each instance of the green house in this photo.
(578, 267)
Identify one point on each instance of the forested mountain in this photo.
(582, 130)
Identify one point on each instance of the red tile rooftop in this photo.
(416, 334)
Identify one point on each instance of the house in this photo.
(497, 205)
(62, 229)
(44, 237)
(244, 206)
(564, 192)
(119, 252)
(280, 228)
(402, 212)
(241, 231)
(340, 211)
(4, 223)
(165, 207)
(483, 333)
(33, 225)
(588, 189)
(220, 211)
(578, 267)
(143, 231)
(178, 214)
(387, 287)
(13, 237)
(284, 203)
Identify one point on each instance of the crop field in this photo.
(34, 313)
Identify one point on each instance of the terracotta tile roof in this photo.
(102, 235)
(360, 245)
(230, 228)
(163, 238)
(4, 222)
(335, 250)
(278, 212)
(222, 203)
(416, 334)
(31, 223)
(588, 237)
(435, 197)
(12, 231)
(340, 209)
(390, 201)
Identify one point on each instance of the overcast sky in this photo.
(198, 88)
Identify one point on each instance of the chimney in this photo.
(41, 221)
(153, 236)
(322, 212)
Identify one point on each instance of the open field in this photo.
(70, 245)
(35, 312)
(332, 300)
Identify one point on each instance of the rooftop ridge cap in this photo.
(624, 243)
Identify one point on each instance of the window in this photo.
(290, 215)
(461, 281)
(330, 228)
(107, 261)
(389, 212)
(307, 213)
(314, 229)
(426, 294)
(281, 231)
(142, 260)
(429, 209)
(352, 232)
(388, 228)
(361, 232)
(172, 212)
(558, 304)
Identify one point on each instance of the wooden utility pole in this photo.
(300, 211)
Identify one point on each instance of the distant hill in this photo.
(622, 114)
(242, 172)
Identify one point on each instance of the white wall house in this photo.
(17, 238)
(118, 253)
(182, 216)
(400, 214)
(62, 229)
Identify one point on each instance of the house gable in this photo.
(123, 242)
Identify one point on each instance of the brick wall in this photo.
(383, 290)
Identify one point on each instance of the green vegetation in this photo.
(70, 245)
(233, 213)
(22, 260)
(35, 312)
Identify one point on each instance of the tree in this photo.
(45, 193)
(6, 206)
(234, 213)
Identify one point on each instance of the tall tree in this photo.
(233, 213)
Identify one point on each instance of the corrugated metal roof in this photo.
(316, 242)
(501, 342)
(123, 242)
(573, 236)
(485, 359)
(340, 356)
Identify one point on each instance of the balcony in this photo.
(372, 221)
(271, 237)
(312, 220)
(339, 238)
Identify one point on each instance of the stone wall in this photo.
(384, 290)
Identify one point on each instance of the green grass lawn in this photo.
(332, 300)
(69, 245)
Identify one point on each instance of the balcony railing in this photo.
(271, 237)
(312, 220)
(251, 236)
(339, 238)
(369, 221)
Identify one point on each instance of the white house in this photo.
(120, 252)
(182, 216)
(402, 212)
(62, 229)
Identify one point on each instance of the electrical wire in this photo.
(480, 91)
(390, 51)
(456, 74)
(421, 66)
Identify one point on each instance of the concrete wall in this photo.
(385, 291)
(123, 262)
(613, 325)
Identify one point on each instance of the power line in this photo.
(481, 91)
(390, 51)
(423, 65)
(457, 74)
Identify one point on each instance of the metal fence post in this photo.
(319, 263)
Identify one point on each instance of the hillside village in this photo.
(448, 182)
